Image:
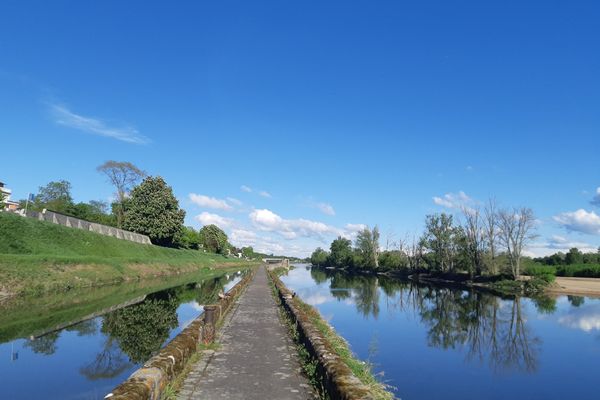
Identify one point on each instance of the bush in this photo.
(538, 270)
(579, 270)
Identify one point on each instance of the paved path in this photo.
(256, 359)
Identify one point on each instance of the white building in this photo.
(8, 203)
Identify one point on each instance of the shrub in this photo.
(579, 270)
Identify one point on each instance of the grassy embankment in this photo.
(38, 257)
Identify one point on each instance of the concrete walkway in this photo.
(256, 359)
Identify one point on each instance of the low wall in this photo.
(338, 380)
(148, 382)
(72, 222)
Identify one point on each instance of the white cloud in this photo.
(95, 126)
(596, 200)
(453, 200)
(243, 237)
(210, 202)
(246, 189)
(207, 218)
(267, 220)
(580, 221)
(326, 209)
(264, 193)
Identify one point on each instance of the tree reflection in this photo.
(486, 327)
(45, 345)
(109, 363)
(141, 329)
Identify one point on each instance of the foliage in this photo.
(189, 238)
(340, 254)
(153, 210)
(319, 257)
(55, 196)
(393, 260)
(213, 239)
(2, 198)
(367, 245)
(441, 239)
(579, 270)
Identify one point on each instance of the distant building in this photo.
(8, 203)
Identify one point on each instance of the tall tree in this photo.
(319, 257)
(490, 225)
(213, 239)
(55, 196)
(124, 176)
(474, 239)
(516, 229)
(153, 210)
(367, 243)
(441, 239)
(341, 252)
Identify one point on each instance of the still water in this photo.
(46, 353)
(433, 342)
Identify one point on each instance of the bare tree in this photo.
(124, 176)
(490, 226)
(475, 239)
(515, 231)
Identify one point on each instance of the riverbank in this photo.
(589, 287)
(40, 257)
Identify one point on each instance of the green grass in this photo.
(38, 256)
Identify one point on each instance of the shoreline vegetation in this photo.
(40, 257)
(479, 248)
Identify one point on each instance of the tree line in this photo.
(488, 241)
(143, 204)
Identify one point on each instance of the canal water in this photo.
(45, 353)
(444, 343)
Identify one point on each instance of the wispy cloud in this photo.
(325, 208)
(264, 193)
(63, 116)
(596, 200)
(207, 218)
(246, 189)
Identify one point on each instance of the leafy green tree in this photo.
(574, 256)
(213, 239)
(248, 252)
(124, 176)
(341, 253)
(393, 259)
(442, 239)
(319, 257)
(153, 210)
(55, 196)
(367, 244)
(2, 197)
(189, 238)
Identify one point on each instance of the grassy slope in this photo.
(37, 256)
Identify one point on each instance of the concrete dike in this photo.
(149, 382)
(338, 380)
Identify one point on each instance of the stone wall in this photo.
(338, 380)
(72, 222)
(149, 382)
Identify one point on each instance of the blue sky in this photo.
(344, 113)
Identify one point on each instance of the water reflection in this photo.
(92, 355)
